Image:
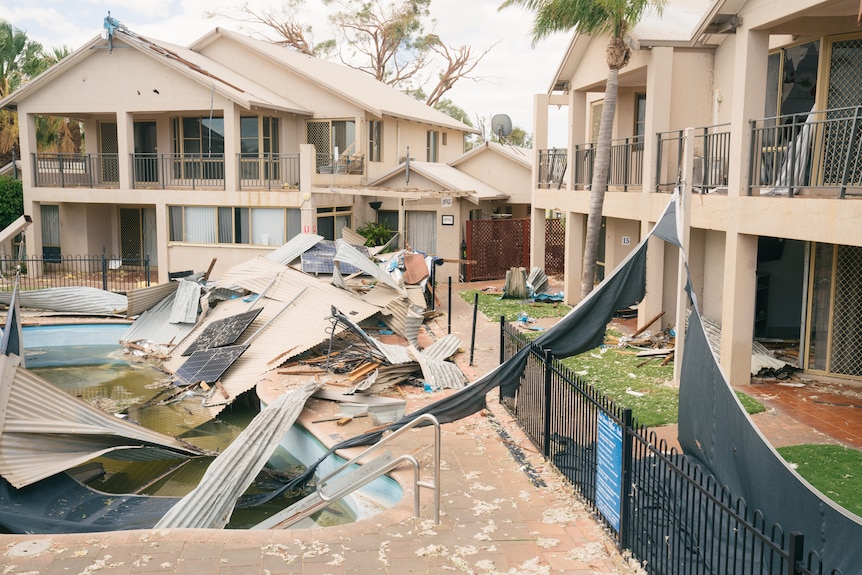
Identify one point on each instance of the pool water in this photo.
(100, 372)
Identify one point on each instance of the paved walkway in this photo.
(499, 514)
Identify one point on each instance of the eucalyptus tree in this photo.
(612, 18)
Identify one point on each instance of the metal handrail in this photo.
(434, 486)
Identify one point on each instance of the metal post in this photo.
(626, 480)
(147, 268)
(104, 272)
(795, 551)
(433, 286)
(449, 315)
(473, 335)
(502, 349)
(547, 358)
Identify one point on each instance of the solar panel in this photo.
(209, 364)
(223, 332)
(319, 259)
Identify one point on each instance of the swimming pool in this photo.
(87, 361)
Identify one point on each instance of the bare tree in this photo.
(459, 65)
(290, 32)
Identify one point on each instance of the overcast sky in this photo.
(511, 73)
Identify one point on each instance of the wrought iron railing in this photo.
(818, 153)
(107, 272)
(178, 171)
(668, 511)
(625, 171)
(268, 171)
(342, 164)
(76, 170)
(552, 168)
(711, 158)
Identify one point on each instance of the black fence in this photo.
(672, 515)
(110, 273)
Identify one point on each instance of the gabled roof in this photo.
(523, 156)
(675, 26)
(352, 85)
(198, 67)
(450, 179)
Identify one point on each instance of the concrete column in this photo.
(306, 169)
(659, 102)
(577, 131)
(163, 234)
(27, 141)
(125, 147)
(538, 224)
(749, 93)
(232, 147)
(652, 303)
(684, 219)
(737, 313)
(576, 225)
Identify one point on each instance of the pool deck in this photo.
(498, 514)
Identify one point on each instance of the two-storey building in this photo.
(230, 146)
(773, 92)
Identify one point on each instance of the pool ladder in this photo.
(351, 476)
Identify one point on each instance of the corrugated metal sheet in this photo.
(154, 326)
(761, 357)
(352, 237)
(346, 253)
(404, 318)
(210, 504)
(288, 331)
(295, 247)
(186, 303)
(142, 299)
(46, 431)
(443, 348)
(82, 300)
(260, 267)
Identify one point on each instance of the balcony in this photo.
(626, 164)
(76, 170)
(343, 164)
(711, 158)
(552, 168)
(814, 154)
(166, 171)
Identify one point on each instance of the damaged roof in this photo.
(44, 430)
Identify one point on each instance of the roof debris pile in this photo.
(306, 310)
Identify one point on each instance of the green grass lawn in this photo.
(834, 470)
(493, 306)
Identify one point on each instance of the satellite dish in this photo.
(501, 125)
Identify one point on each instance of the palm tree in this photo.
(20, 60)
(593, 17)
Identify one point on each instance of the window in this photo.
(232, 225)
(259, 148)
(331, 138)
(432, 145)
(388, 218)
(792, 79)
(199, 143)
(50, 233)
(444, 136)
(640, 120)
(422, 231)
(331, 220)
(375, 143)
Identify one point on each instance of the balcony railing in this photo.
(552, 168)
(343, 164)
(818, 153)
(626, 164)
(178, 171)
(165, 171)
(76, 170)
(711, 158)
(268, 171)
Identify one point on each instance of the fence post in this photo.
(147, 268)
(794, 552)
(104, 272)
(502, 349)
(449, 303)
(547, 359)
(626, 480)
(473, 335)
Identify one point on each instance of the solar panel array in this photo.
(223, 332)
(209, 364)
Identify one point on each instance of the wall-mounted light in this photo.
(375, 205)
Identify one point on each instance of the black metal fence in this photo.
(110, 273)
(669, 512)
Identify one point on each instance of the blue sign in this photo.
(609, 449)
